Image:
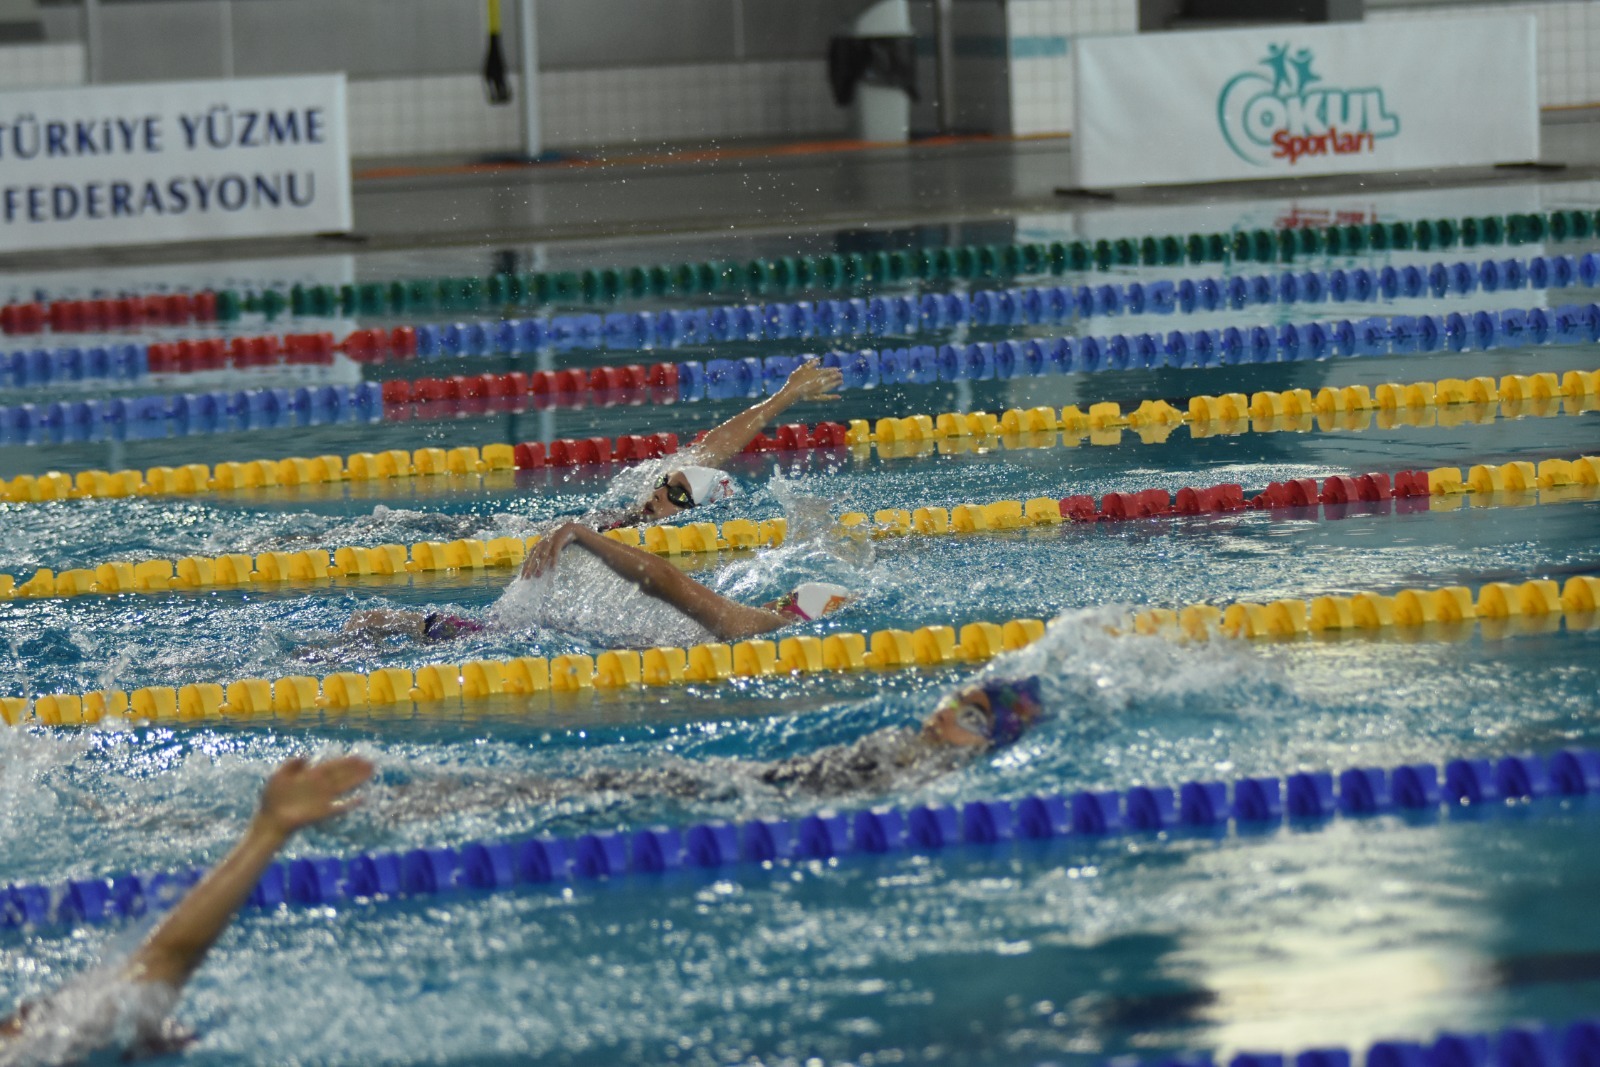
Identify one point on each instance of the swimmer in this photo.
(703, 482)
(427, 627)
(131, 1007)
(727, 620)
(966, 724)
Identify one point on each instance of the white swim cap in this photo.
(812, 600)
(708, 484)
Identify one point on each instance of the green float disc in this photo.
(229, 306)
(589, 284)
(638, 281)
(986, 264)
(564, 285)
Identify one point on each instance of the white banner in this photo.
(1170, 108)
(173, 161)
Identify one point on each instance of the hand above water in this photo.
(811, 381)
(543, 555)
(300, 792)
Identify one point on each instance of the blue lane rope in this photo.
(1256, 803)
(1528, 1045)
(188, 414)
(931, 312)
(719, 379)
(1377, 336)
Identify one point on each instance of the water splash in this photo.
(582, 597)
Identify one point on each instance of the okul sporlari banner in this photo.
(1291, 101)
(173, 161)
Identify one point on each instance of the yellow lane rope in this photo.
(1515, 484)
(1537, 603)
(1446, 402)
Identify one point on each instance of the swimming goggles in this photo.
(677, 495)
(994, 716)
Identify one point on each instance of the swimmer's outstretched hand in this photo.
(297, 794)
(811, 381)
(300, 793)
(543, 555)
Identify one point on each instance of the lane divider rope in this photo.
(216, 411)
(1538, 601)
(942, 311)
(1523, 1045)
(250, 698)
(892, 316)
(1249, 804)
(826, 271)
(1452, 401)
(722, 379)
(1515, 483)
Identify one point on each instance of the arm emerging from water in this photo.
(297, 795)
(809, 381)
(728, 619)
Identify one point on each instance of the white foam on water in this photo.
(1090, 658)
(581, 596)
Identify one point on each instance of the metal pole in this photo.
(945, 46)
(91, 41)
(532, 136)
(227, 38)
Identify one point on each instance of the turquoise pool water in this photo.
(1339, 933)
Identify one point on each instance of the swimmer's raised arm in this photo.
(809, 381)
(297, 795)
(728, 619)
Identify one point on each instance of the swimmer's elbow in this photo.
(752, 622)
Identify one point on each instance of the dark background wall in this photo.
(1176, 14)
(175, 39)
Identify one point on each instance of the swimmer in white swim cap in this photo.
(654, 576)
(701, 481)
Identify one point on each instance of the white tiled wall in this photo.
(649, 105)
(1569, 43)
(40, 66)
(1041, 34)
(645, 105)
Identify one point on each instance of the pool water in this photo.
(1069, 951)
